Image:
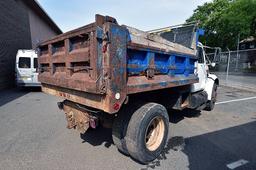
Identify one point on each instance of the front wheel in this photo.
(147, 132)
(210, 104)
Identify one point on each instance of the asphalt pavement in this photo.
(33, 135)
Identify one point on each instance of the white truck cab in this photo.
(207, 82)
(26, 69)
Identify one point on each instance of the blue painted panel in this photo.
(162, 63)
(180, 64)
(139, 61)
(171, 64)
(136, 58)
(172, 68)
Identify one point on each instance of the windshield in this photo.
(24, 62)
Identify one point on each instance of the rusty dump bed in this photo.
(100, 64)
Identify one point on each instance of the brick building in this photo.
(23, 23)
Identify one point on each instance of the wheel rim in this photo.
(154, 134)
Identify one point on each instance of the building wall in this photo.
(39, 29)
(14, 35)
(20, 28)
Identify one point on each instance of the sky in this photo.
(141, 14)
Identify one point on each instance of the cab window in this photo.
(200, 55)
(24, 62)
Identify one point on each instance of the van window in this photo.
(24, 62)
(35, 63)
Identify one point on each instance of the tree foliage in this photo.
(224, 20)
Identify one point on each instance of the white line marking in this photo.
(236, 100)
(236, 164)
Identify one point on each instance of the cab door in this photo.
(24, 70)
(201, 70)
(35, 69)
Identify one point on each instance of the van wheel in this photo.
(210, 104)
(147, 132)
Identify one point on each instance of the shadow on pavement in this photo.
(209, 151)
(98, 136)
(102, 135)
(9, 95)
(177, 116)
(214, 150)
(217, 149)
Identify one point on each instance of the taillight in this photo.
(116, 106)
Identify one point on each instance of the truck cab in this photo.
(207, 82)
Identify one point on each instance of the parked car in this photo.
(27, 69)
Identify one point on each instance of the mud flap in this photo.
(76, 119)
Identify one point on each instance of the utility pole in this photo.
(228, 65)
(237, 52)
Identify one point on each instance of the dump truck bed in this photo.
(100, 64)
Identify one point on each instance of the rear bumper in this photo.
(28, 84)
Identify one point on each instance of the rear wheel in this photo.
(210, 104)
(147, 132)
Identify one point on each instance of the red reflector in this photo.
(116, 106)
(104, 48)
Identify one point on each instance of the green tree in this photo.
(224, 20)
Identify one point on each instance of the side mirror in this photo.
(213, 64)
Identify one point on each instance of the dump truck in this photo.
(124, 78)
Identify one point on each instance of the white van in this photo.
(26, 69)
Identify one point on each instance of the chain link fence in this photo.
(235, 68)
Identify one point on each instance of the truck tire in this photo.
(119, 129)
(147, 132)
(210, 104)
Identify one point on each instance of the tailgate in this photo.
(69, 60)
